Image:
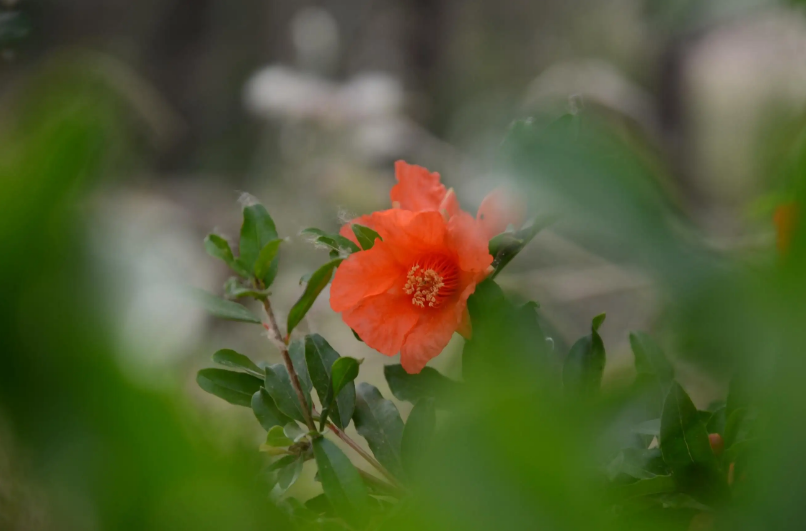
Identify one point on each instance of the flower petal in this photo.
(499, 210)
(383, 321)
(364, 274)
(427, 339)
(468, 242)
(416, 189)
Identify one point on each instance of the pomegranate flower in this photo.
(419, 190)
(408, 293)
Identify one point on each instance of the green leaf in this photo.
(646, 487)
(507, 245)
(230, 358)
(319, 279)
(584, 364)
(234, 387)
(428, 383)
(716, 424)
(638, 463)
(277, 438)
(320, 504)
(278, 384)
(342, 374)
(296, 351)
(366, 237)
(418, 434)
(378, 421)
(320, 357)
(266, 261)
(687, 450)
(282, 462)
(335, 242)
(289, 474)
(222, 308)
(649, 358)
(294, 432)
(597, 322)
(234, 290)
(739, 426)
(341, 481)
(256, 231)
(217, 247)
(266, 411)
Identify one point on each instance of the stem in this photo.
(360, 451)
(282, 344)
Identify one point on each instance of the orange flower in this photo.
(409, 293)
(785, 219)
(419, 190)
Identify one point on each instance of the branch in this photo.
(282, 344)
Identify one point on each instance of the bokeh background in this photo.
(130, 130)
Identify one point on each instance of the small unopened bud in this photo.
(717, 443)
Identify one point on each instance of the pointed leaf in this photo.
(218, 247)
(417, 434)
(277, 437)
(646, 487)
(597, 322)
(342, 374)
(266, 411)
(366, 237)
(296, 351)
(319, 279)
(256, 231)
(378, 421)
(222, 308)
(341, 481)
(234, 387)
(428, 383)
(584, 364)
(230, 358)
(282, 463)
(288, 475)
(320, 357)
(687, 450)
(278, 384)
(266, 260)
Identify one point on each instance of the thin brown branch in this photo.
(282, 344)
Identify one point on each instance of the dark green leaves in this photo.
(506, 246)
(341, 481)
(335, 242)
(319, 279)
(584, 364)
(230, 358)
(428, 383)
(417, 434)
(218, 247)
(266, 411)
(234, 387)
(687, 450)
(366, 237)
(638, 463)
(277, 437)
(265, 260)
(278, 384)
(342, 374)
(257, 230)
(222, 308)
(320, 357)
(378, 421)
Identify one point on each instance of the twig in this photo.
(282, 344)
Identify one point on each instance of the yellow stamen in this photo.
(424, 286)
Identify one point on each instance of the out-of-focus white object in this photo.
(743, 79)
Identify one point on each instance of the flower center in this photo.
(430, 281)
